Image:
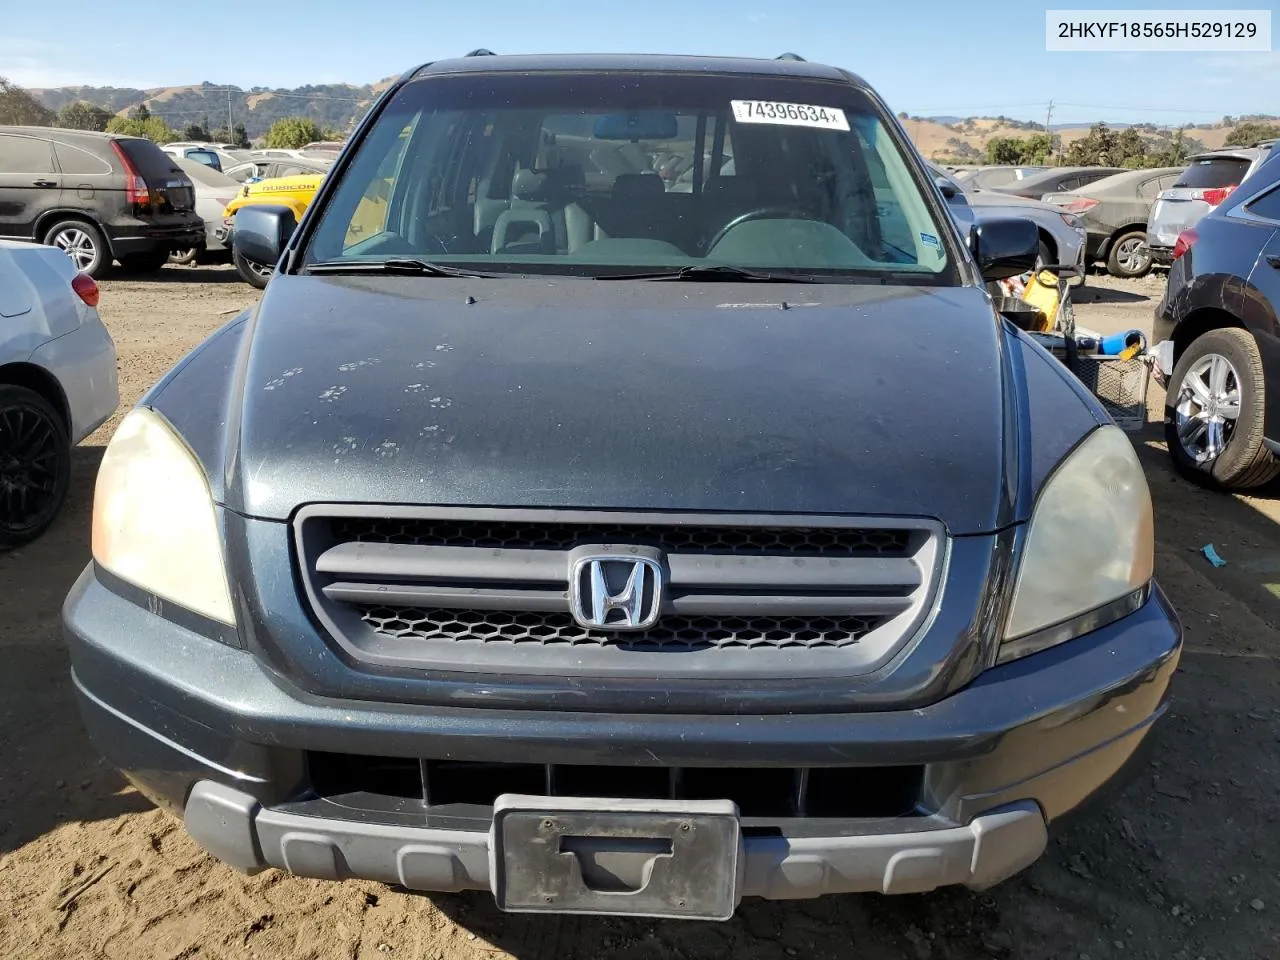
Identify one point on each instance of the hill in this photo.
(337, 105)
(340, 105)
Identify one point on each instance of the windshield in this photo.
(599, 174)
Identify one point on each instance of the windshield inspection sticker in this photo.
(930, 239)
(789, 114)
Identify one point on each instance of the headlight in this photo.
(153, 518)
(1090, 548)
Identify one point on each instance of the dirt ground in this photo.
(1182, 865)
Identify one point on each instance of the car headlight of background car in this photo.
(1089, 552)
(154, 524)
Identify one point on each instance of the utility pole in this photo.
(230, 126)
(1048, 117)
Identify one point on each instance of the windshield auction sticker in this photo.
(1171, 31)
(789, 114)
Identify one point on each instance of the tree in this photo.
(1250, 133)
(1099, 148)
(153, 128)
(292, 133)
(1131, 149)
(237, 136)
(83, 115)
(20, 108)
(197, 132)
(140, 112)
(1004, 151)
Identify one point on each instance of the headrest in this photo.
(528, 185)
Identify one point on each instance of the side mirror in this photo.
(1005, 248)
(948, 189)
(261, 232)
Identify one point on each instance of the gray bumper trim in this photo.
(236, 829)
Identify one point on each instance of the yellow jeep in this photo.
(296, 193)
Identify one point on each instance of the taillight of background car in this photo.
(1186, 240)
(86, 289)
(1214, 195)
(135, 188)
(1081, 205)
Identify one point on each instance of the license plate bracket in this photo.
(661, 858)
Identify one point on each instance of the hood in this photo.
(554, 392)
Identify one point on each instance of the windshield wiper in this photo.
(718, 272)
(402, 265)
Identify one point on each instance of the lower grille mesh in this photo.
(672, 633)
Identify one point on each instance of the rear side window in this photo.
(77, 162)
(152, 162)
(1267, 205)
(25, 155)
(1149, 188)
(1214, 172)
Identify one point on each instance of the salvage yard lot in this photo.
(1183, 864)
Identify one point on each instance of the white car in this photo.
(57, 382)
(214, 191)
(1062, 234)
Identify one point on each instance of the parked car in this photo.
(57, 382)
(1062, 234)
(1206, 183)
(991, 176)
(1217, 345)
(545, 531)
(252, 170)
(213, 192)
(1115, 210)
(98, 197)
(1055, 180)
(295, 192)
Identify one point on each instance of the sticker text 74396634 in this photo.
(789, 114)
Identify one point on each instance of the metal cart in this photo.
(1118, 380)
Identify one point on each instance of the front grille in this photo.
(759, 541)
(770, 793)
(489, 591)
(673, 633)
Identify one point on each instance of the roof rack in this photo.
(791, 56)
(481, 52)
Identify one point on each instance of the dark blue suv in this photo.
(621, 543)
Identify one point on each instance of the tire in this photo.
(150, 262)
(1125, 258)
(1220, 371)
(83, 243)
(35, 465)
(254, 274)
(182, 258)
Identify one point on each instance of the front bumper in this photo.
(214, 736)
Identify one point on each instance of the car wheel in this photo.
(254, 274)
(35, 465)
(1214, 411)
(183, 257)
(83, 243)
(1129, 256)
(145, 262)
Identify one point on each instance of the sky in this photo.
(928, 58)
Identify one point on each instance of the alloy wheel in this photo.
(1208, 407)
(78, 245)
(29, 455)
(1130, 256)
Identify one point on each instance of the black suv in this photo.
(1216, 332)
(618, 548)
(98, 196)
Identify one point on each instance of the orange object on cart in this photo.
(1041, 292)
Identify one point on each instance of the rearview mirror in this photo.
(1005, 248)
(262, 231)
(637, 125)
(948, 189)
